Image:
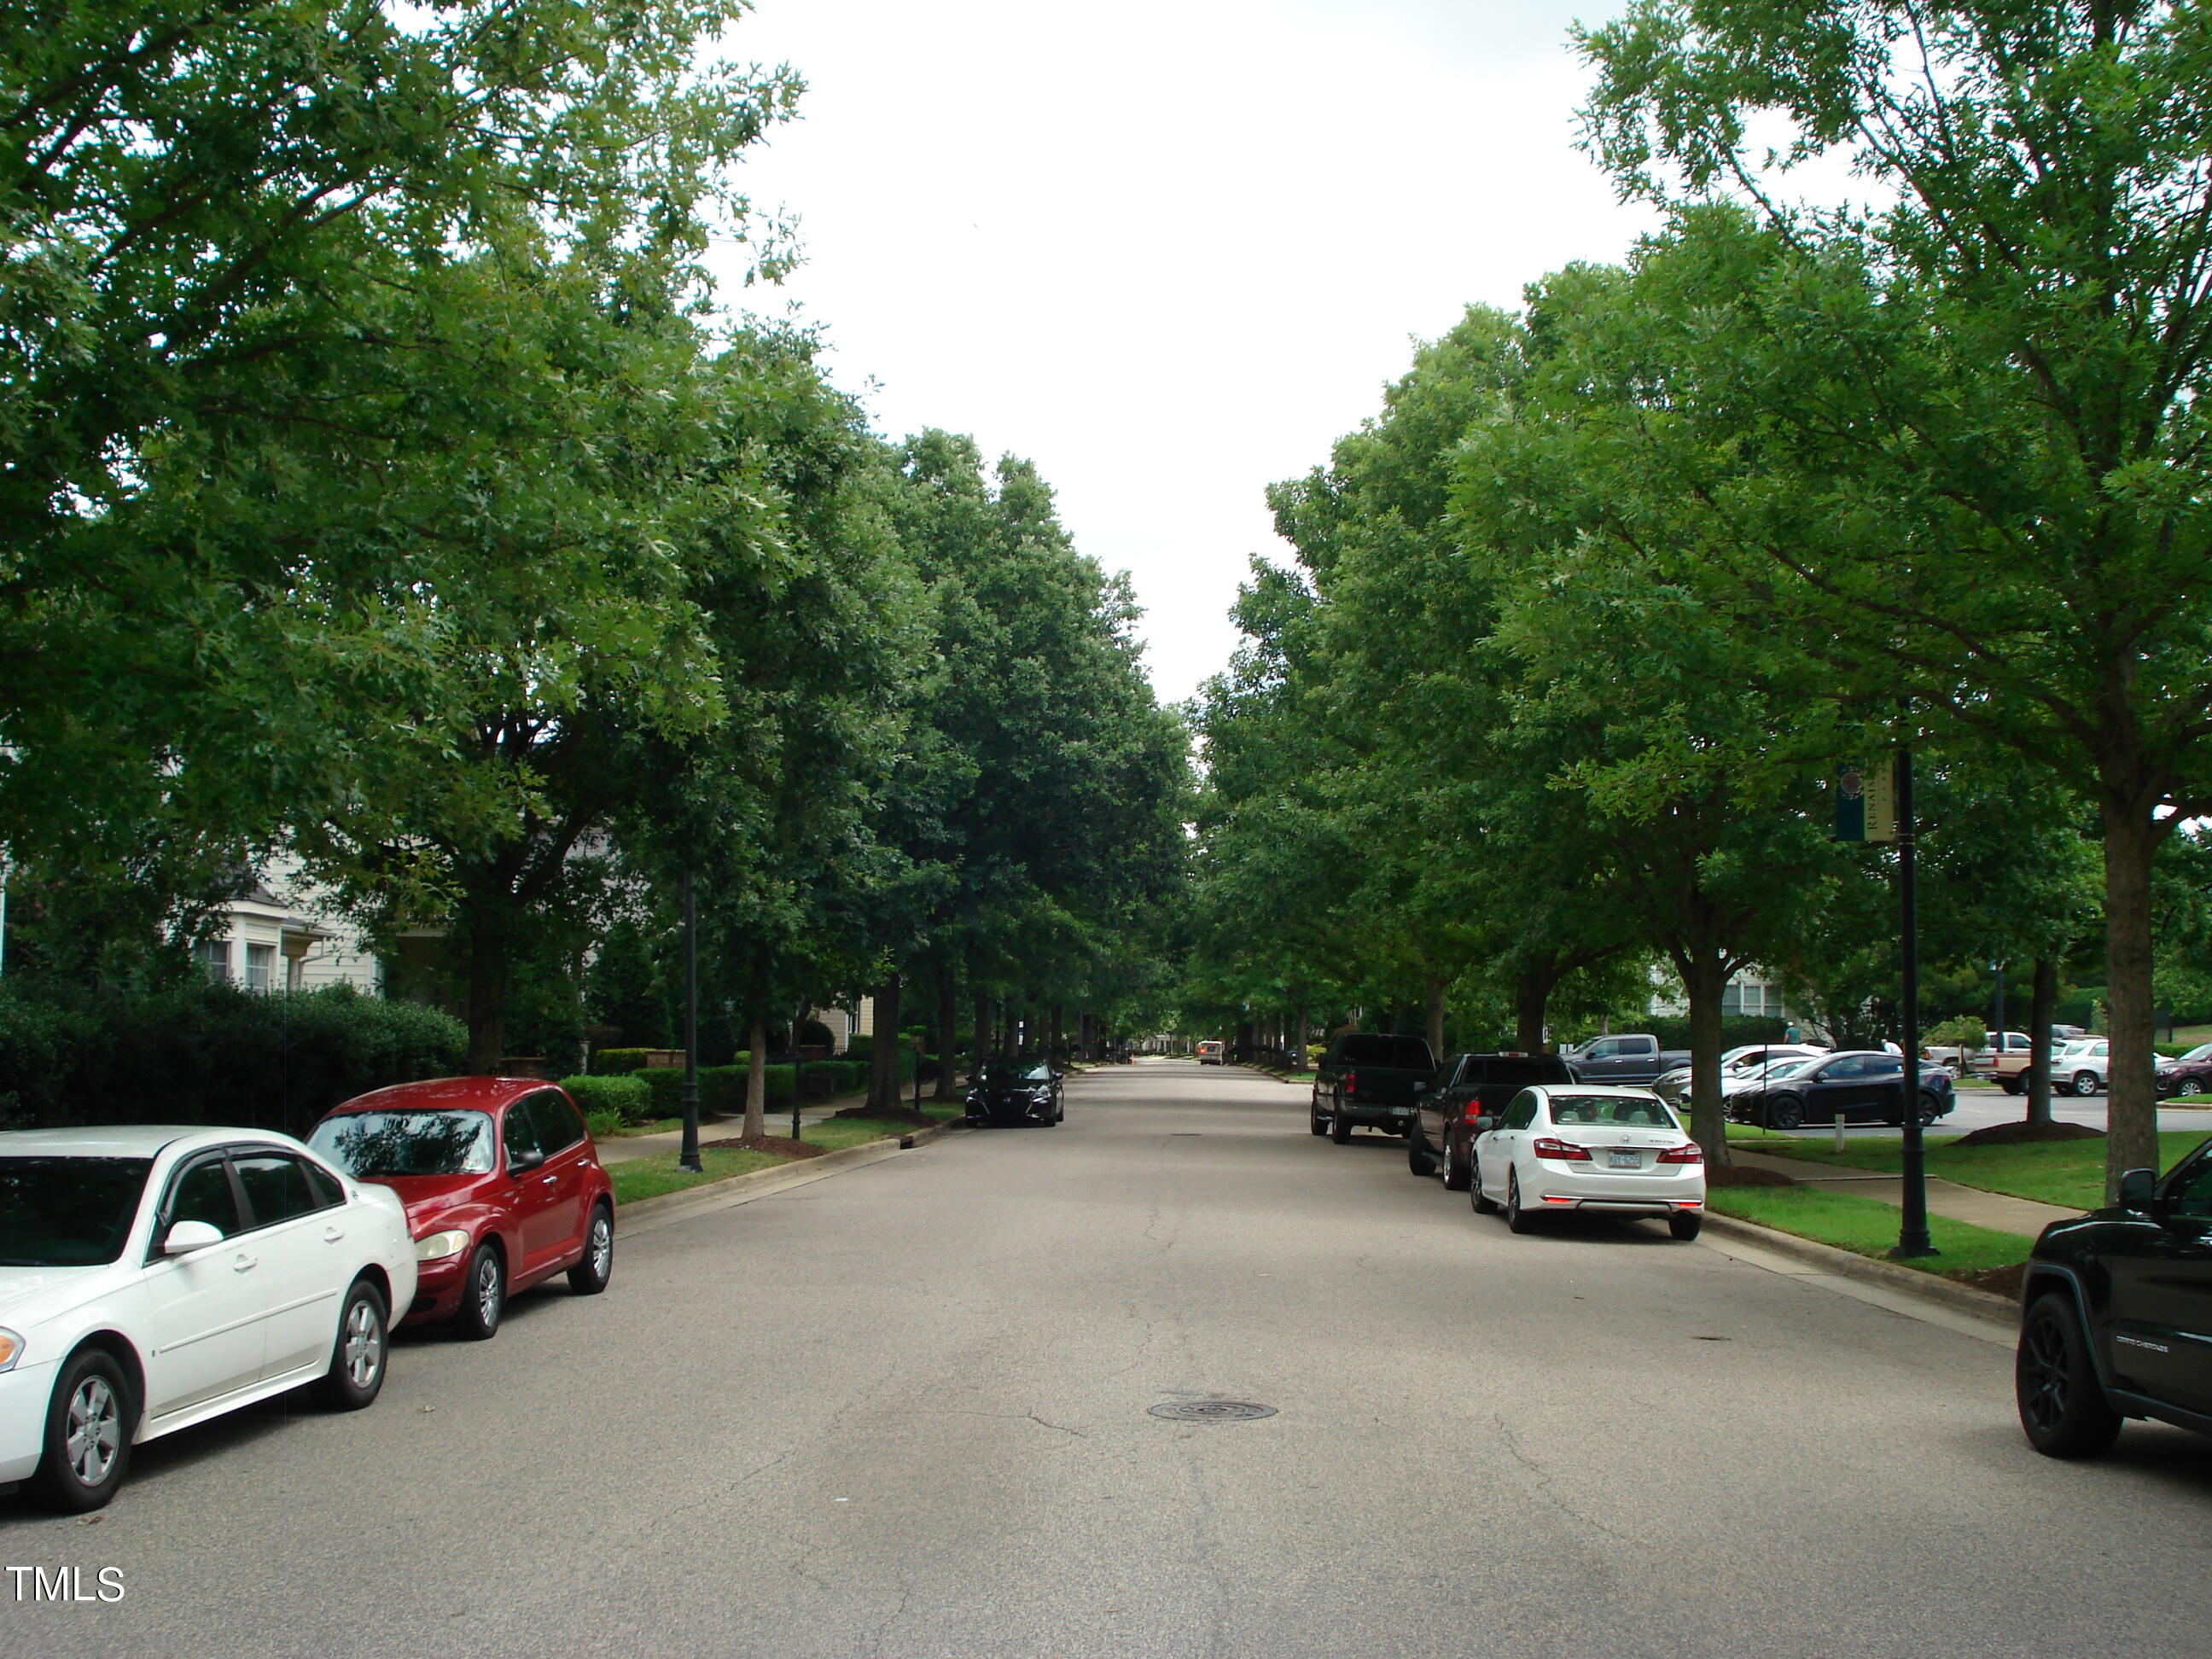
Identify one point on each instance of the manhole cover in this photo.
(1210, 1411)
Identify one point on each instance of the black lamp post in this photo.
(687, 1158)
(1912, 1237)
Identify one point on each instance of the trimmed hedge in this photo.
(625, 1098)
(617, 1062)
(197, 1052)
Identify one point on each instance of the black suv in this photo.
(2117, 1314)
(1462, 1089)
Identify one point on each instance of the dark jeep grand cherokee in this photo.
(2116, 1316)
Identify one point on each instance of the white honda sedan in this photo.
(151, 1278)
(1581, 1146)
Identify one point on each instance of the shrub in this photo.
(202, 1053)
(614, 1062)
(626, 1098)
(603, 1124)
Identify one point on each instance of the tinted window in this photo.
(1522, 1113)
(203, 1194)
(323, 1185)
(1615, 1109)
(2191, 1193)
(1881, 1065)
(275, 1187)
(1841, 1071)
(558, 1125)
(368, 1145)
(67, 1211)
(1412, 1052)
(518, 1132)
(1520, 1069)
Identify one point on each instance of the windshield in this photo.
(1621, 1111)
(368, 1145)
(999, 1075)
(67, 1211)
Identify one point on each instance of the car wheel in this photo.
(589, 1277)
(1316, 1122)
(1516, 1218)
(1483, 1205)
(2086, 1083)
(1459, 1173)
(1419, 1158)
(1784, 1114)
(358, 1357)
(1684, 1223)
(2014, 1085)
(87, 1438)
(2062, 1409)
(1930, 1109)
(483, 1296)
(1340, 1126)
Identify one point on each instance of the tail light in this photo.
(1473, 1111)
(1545, 1147)
(1692, 1153)
(1351, 1083)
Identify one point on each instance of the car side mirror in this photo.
(185, 1237)
(523, 1163)
(2138, 1189)
(1485, 1124)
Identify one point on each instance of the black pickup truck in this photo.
(1368, 1080)
(1464, 1088)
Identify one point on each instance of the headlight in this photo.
(11, 1350)
(436, 1247)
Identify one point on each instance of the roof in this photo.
(1630, 1090)
(476, 1094)
(123, 1140)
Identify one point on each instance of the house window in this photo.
(1731, 999)
(213, 955)
(260, 967)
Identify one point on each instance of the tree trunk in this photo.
(882, 1060)
(2042, 1003)
(1054, 1041)
(2131, 1098)
(757, 1077)
(1297, 1035)
(1432, 1022)
(1704, 976)
(490, 919)
(948, 1015)
(1532, 1001)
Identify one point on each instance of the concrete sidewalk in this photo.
(1948, 1199)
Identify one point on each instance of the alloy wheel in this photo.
(2045, 1384)
(364, 1343)
(93, 1434)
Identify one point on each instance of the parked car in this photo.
(152, 1277)
(2192, 1074)
(1862, 1085)
(1212, 1053)
(2116, 1315)
(503, 1186)
(1015, 1091)
(1464, 1088)
(1367, 1080)
(1749, 1063)
(1631, 1057)
(1583, 1147)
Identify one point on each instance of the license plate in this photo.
(1624, 1160)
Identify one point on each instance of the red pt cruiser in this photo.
(501, 1185)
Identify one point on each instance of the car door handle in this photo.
(244, 1264)
(331, 1235)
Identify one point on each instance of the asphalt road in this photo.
(903, 1410)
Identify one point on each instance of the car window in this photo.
(324, 1185)
(1841, 1071)
(1882, 1065)
(1603, 1048)
(275, 1187)
(1521, 1113)
(203, 1194)
(558, 1125)
(518, 1131)
(1622, 1111)
(2189, 1191)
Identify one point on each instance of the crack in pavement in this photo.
(1547, 1482)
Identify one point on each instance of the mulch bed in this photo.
(2003, 1281)
(1743, 1174)
(782, 1145)
(2024, 1133)
(901, 1115)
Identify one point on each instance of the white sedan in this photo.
(1580, 1146)
(151, 1278)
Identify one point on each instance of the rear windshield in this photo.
(999, 1073)
(1518, 1069)
(368, 1144)
(1624, 1111)
(67, 1211)
(1412, 1052)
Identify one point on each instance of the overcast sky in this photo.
(1170, 252)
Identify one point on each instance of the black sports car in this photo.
(1014, 1092)
(2116, 1315)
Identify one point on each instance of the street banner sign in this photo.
(1866, 801)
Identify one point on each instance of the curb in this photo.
(1846, 1264)
(760, 1184)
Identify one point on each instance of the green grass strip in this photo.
(649, 1177)
(2067, 1173)
(1866, 1226)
